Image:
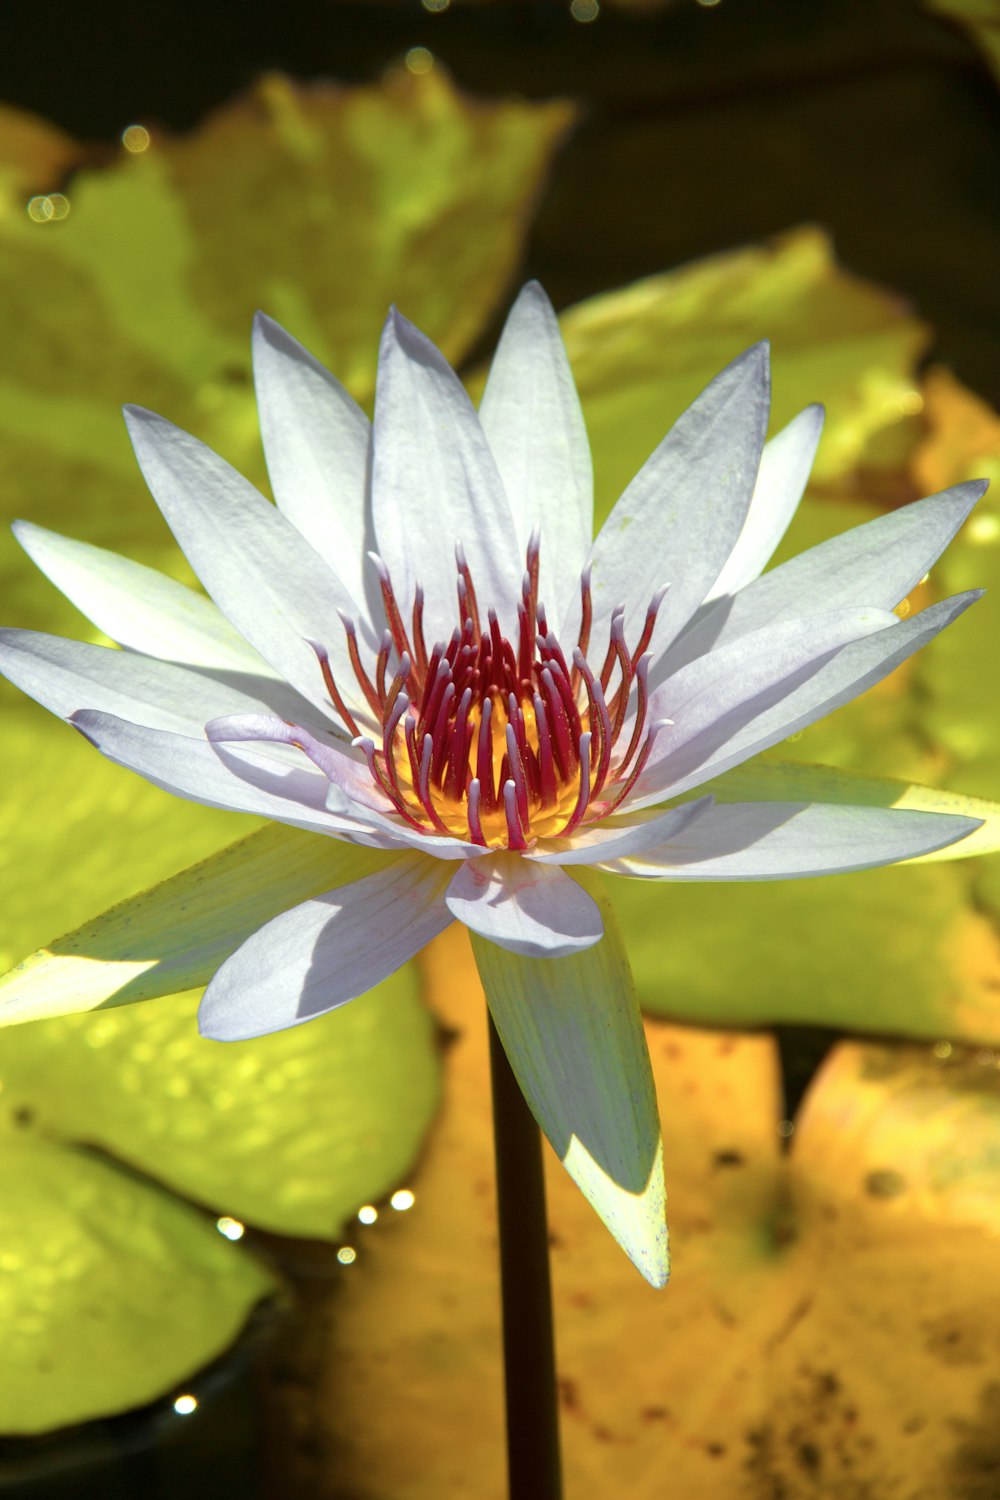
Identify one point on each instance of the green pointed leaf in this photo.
(291, 1132)
(572, 1031)
(176, 935)
(111, 1292)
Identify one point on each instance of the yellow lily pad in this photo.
(111, 1292)
(825, 1330)
(640, 355)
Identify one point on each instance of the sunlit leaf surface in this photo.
(111, 1291)
(291, 1132)
(828, 1328)
(642, 354)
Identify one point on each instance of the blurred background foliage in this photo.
(821, 176)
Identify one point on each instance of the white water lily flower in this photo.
(421, 649)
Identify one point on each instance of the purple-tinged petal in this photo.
(624, 837)
(531, 415)
(435, 483)
(877, 563)
(66, 676)
(854, 669)
(259, 782)
(263, 575)
(523, 906)
(679, 519)
(781, 480)
(137, 606)
(788, 840)
(316, 442)
(712, 700)
(327, 951)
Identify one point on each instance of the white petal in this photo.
(625, 837)
(679, 519)
(316, 441)
(878, 562)
(854, 669)
(326, 951)
(781, 479)
(247, 781)
(137, 606)
(572, 1031)
(712, 702)
(788, 840)
(69, 675)
(262, 574)
(350, 794)
(434, 483)
(523, 906)
(531, 415)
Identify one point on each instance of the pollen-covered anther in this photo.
(499, 741)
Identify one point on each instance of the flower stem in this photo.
(533, 1463)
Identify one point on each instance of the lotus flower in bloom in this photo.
(423, 650)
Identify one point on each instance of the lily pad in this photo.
(111, 1291)
(825, 1330)
(290, 1132)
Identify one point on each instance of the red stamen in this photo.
(599, 716)
(647, 630)
(475, 822)
(323, 658)
(419, 644)
(546, 770)
(371, 696)
(515, 835)
(484, 755)
(517, 776)
(583, 796)
(470, 592)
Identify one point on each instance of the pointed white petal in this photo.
(572, 1031)
(679, 519)
(531, 415)
(523, 906)
(712, 702)
(854, 669)
(326, 951)
(766, 780)
(252, 781)
(262, 574)
(66, 676)
(435, 483)
(623, 838)
(316, 443)
(781, 479)
(137, 606)
(878, 562)
(788, 840)
(176, 935)
(350, 794)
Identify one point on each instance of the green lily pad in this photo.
(896, 950)
(290, 1132)
(111, 1291)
